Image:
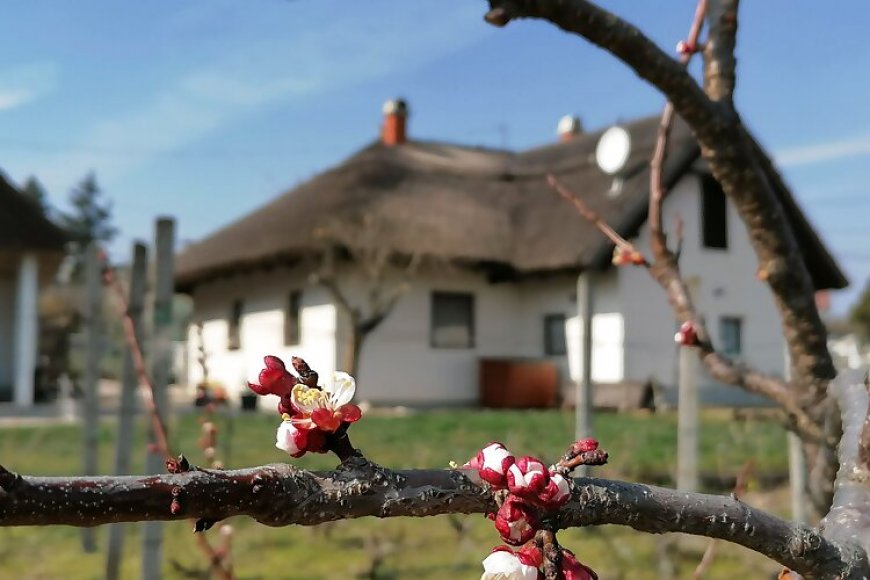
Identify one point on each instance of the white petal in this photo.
(342, 389)
(285, 439)
(504, 565)
(494, 456)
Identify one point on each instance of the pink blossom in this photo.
(527, 477)
(325, 407)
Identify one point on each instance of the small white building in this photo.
(31, 248)
(497, 257)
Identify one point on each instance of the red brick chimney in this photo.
(395, 119)
(569, 127)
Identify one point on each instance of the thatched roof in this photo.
(469, 205)
(23, 226)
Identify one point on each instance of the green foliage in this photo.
(34, 191)
(642, 447)
(91, 217)
(860, 313)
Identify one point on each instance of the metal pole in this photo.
(583, 396)
(161, 365)
(687, 421)
(688, 411)
(128, 407)
(93, 354)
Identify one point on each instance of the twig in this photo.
(148, 391)
(658, 240)
(590, 214)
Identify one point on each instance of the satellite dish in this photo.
(613, 149)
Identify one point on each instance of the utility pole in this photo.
(128, 407)
(161, 365)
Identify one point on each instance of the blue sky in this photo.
(206, 109)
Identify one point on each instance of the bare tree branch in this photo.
(280, 495)
(729, 151)
(666, 272)
(720, 65)
(591, 216)
(658, 240)
(849, 518)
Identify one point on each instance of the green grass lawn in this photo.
(642, 448)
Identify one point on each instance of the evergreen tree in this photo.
(34, 191)
(89, 221)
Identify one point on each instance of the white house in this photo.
(31, 248)
(499, 256)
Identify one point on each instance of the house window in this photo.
(452, 320)
(714, 214)
(730, 335)
(554, 335)
(234, 340)
(293, 319)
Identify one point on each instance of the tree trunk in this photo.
(353, 347)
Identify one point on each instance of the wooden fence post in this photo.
(128, 407)
(90, 383)
(161, 366)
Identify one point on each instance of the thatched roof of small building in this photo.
(23, 225)
(474, 206)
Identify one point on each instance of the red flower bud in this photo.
(516, 521)
(687, 335)
(573, 569)
(527, 477)
(584, 445)
(493, 462)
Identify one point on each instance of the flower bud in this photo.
(573, 569)
(292, 439)
(556, 493)
(584, 445)
(493, 462)
(527, 476)
(687, 335)
(516, 521)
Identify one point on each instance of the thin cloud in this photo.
(22, 84)
(280, 68)
(824, 152)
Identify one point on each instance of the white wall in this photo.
(726, 286)
(398, 365)
(265, 295)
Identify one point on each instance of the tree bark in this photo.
(280, 495)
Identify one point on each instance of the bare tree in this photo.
(831, 416)
(384, 277)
